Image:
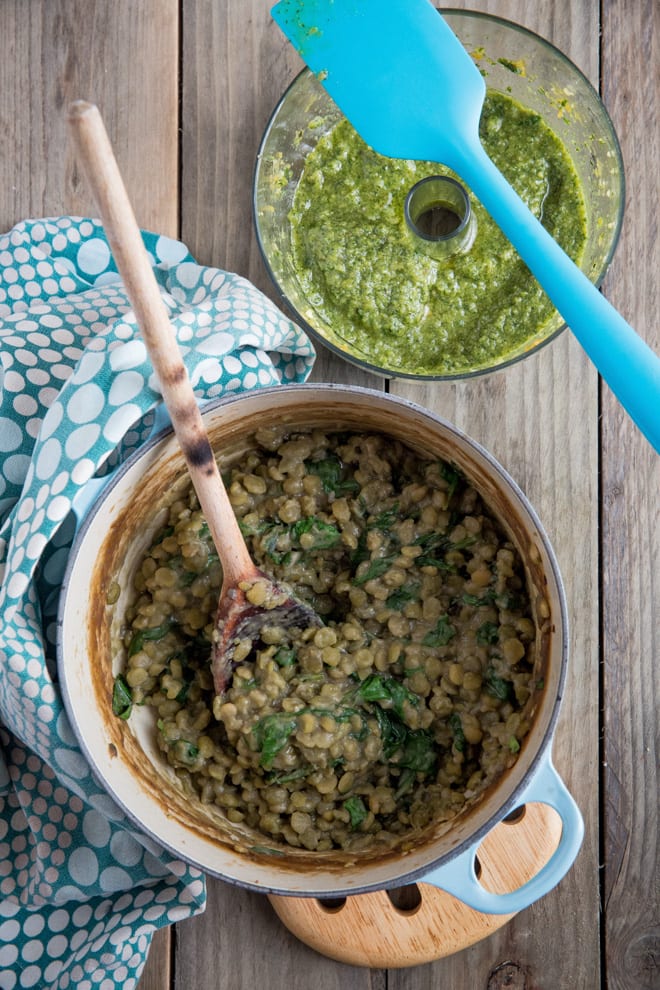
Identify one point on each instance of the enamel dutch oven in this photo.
(119, 527)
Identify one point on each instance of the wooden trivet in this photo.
(368, 930)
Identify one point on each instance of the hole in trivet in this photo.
(331, 904)
(405, 899)
(477, 867)
(516, 815)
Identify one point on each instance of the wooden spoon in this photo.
(249, 599)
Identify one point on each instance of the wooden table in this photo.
(186, 89)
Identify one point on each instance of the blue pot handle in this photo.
(458, 877)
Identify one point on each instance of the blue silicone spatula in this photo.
(405, 82)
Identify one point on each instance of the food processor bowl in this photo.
(515, 62)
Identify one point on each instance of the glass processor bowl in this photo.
(514, 62)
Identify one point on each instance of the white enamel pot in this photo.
(118, 528)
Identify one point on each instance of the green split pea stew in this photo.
(410, 700)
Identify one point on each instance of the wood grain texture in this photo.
(236, 64)
(70, 49)
(239, 944)
(376, 930)
(631, 527)
(157, 974)
(555, 464)
(593, 480)
(526, 417)
(62, 50)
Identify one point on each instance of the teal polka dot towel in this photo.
(81, 890)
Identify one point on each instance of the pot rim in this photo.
(433, 862)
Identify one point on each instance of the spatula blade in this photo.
(394, 68)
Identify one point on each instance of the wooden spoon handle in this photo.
(102, 173)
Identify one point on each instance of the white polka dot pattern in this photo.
(81, 891)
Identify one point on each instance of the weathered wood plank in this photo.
(235, 66)
(110, 54)
(526, 416)
(554, 462)
(239, 944)
(631, 527)
(157, 973)
(231, 87)
(69, 49)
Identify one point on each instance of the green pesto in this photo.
(400, 309)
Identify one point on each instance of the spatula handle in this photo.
(102, 173)
(625, 361)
